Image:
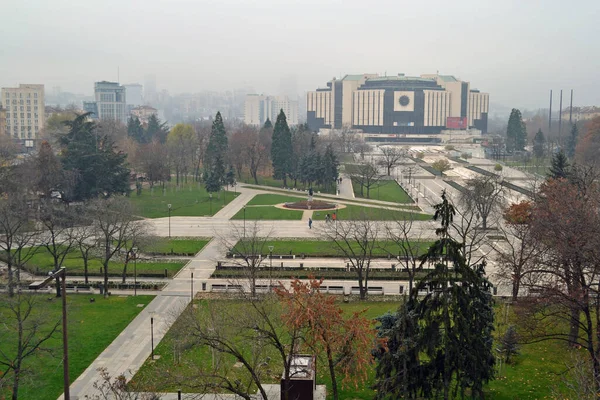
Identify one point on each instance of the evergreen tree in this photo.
(230, 178)
(330, 167)
(440, 346)
(559, 166)
(572, 141)
(539, 142)
(98, 168)
(214, 157)
(268, 124)
(281, 149)
(516, 134)
(135, 130)
(156, 130)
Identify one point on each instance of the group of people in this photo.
(328, 218)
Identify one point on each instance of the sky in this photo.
(515, 50)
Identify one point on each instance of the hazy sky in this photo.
(515, 50)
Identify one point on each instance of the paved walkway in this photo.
(345, 188)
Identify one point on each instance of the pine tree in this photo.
(135, 130)
(539, 142)
(559, 166)
(509, 344)
(156, 130)
(572, 141)
(268, 124)
(516, 134)
(330, 167)
(281, 149)
(440, 345)
(214, 158)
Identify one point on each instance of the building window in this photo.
(35, 102)
(35, 95)
(28, 101)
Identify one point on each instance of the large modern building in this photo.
(25, 117)
(399, 105)
(259, 108)
(110, 102)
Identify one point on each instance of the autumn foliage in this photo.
(518, 213)
(345, 342)
(588, 148)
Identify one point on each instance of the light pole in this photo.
(270, 263)
(134, 250)
(62, 272)
(169, 207)
(192, 282)
(210, 202)
(244, 221)
(152, 333)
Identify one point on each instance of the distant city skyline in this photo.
(517, 51)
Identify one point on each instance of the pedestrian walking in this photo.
(334, 216)
(309, 223)
(327, 218)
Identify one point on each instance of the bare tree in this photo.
(85, 241)
(483, 195)
(17, 234)
(227, 330)
(58, 222)
(518, 251)
(367, 176)
(410, 242)
(247, 246)
(154, 163)
(118, 388)
(391, 157)
(113, 220)
(356, 240)
(25, 329)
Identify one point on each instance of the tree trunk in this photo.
(125, 269)
(85, 269)
(284, 180)
(16, 379)
(11, 279)
(334, 388)
(515, 288)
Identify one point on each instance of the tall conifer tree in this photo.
(281, 148)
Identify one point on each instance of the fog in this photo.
(515, 50)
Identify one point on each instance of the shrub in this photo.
(497, 167)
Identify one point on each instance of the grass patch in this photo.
(533, 375)
(323, 248)
(386, 190)
(42, 262)
(176, 245)
(92, 327)
(352, 212)
(277, 183)
(272, 199)
(267, 213)
(189, 201)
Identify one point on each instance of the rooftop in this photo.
(448, 78)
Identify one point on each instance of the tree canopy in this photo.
(281, 149)
(516, 134)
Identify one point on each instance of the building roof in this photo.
(448, 78)
(353, 77)
(401, 78)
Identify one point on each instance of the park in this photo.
(187, 284)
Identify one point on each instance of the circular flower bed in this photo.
(309, 205)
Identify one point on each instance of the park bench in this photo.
(218, 288)
(78, 287)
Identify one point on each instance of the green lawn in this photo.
(536, 371)
(42, 262)
(190, 200)
(92, 327)
(351, 212)
(385, 190)
(272, 199)
(267, 213)
(276, 183)
(176, 245)
(322, 248)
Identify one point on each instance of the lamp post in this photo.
(62, 272)
(210, 202)
(192, 282)
(169, 207)
(244, 221)
(270, 263)
(152, 334)
(134, 251)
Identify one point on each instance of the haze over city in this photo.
(516, 51)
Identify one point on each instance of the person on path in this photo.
(309, 223)
(334, 216)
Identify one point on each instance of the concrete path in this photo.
(345, 188)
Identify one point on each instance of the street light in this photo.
(244, 221)
(169, 207)
(192, 281)
(134, 251)
(152, 333)
(62, 272)
(270, 262)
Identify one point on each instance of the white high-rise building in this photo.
(259, 108)
(110, 102)
(25, 112)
